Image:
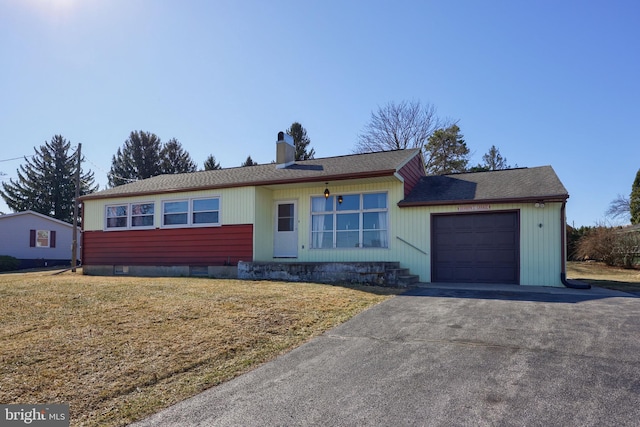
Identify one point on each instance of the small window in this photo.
(117, 216)
(176, 213)
(142, 214)
(194, 212)
(42, 238)
(206, 211)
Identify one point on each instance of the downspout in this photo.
(563, 252)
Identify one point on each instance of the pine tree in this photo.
(211, 164)
(249, 162)
(138, 159)
(46, 183)
(301, 141)
(446, 152)
(493, 160)
(634, 200)
(174, 159)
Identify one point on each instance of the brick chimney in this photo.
(285, 151)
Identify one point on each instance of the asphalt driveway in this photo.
(448, 356)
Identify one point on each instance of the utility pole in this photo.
(74, 244)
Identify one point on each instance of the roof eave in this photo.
(324, 178)
(531, 199)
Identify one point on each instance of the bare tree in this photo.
(398, 126)
(619, 208)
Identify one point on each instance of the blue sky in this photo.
(548, 82)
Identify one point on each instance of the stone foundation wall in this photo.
(373, 273)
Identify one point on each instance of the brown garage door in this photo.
(475, 248)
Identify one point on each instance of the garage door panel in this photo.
(499, 275)
(496, 257)
(476, 248)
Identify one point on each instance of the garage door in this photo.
(475, 248)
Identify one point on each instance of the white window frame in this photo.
(190, 211)
(129, 221)
(106, 217)
(152, 215)
(360, 211)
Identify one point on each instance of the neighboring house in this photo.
(36, 240)
(487, 227)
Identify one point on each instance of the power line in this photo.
(109, 173)
(17, 158)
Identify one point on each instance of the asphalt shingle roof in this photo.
(504, 185)
(383, 163)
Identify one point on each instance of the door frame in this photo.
(290, 250)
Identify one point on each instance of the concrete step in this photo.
(408, 280)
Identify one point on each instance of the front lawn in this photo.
(120, 348)
(599, 274)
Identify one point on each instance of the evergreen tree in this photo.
(138, 159)
(46, 183)
(446, 152)
(249, 162)
(211, 164)
(174, 159)
(634, 200)
(301, 142)
(493, 160)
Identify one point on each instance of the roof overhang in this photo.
(369, 175)
(532, 199)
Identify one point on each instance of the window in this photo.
(359, 221)
(134, 215)
(286, 217)
(176, 213)
(205, 211)
(142, 215)
(193, 212)
(42, 238)
(117, 216)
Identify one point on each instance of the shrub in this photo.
(8, 263)
(610, 245)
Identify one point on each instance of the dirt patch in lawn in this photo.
(118, 349)
(599, 274)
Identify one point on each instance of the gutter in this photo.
(307, 180)
(563, 252)
(547, 198)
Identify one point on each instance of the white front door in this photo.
(285, 241)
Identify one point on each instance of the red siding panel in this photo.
(412, 172)
(176, 246)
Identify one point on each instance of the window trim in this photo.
(360, 211)
(190, 212)
(142, 227)
(129, 216)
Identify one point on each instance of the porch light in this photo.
(326, 191)
(340, 199)
(539, 204)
